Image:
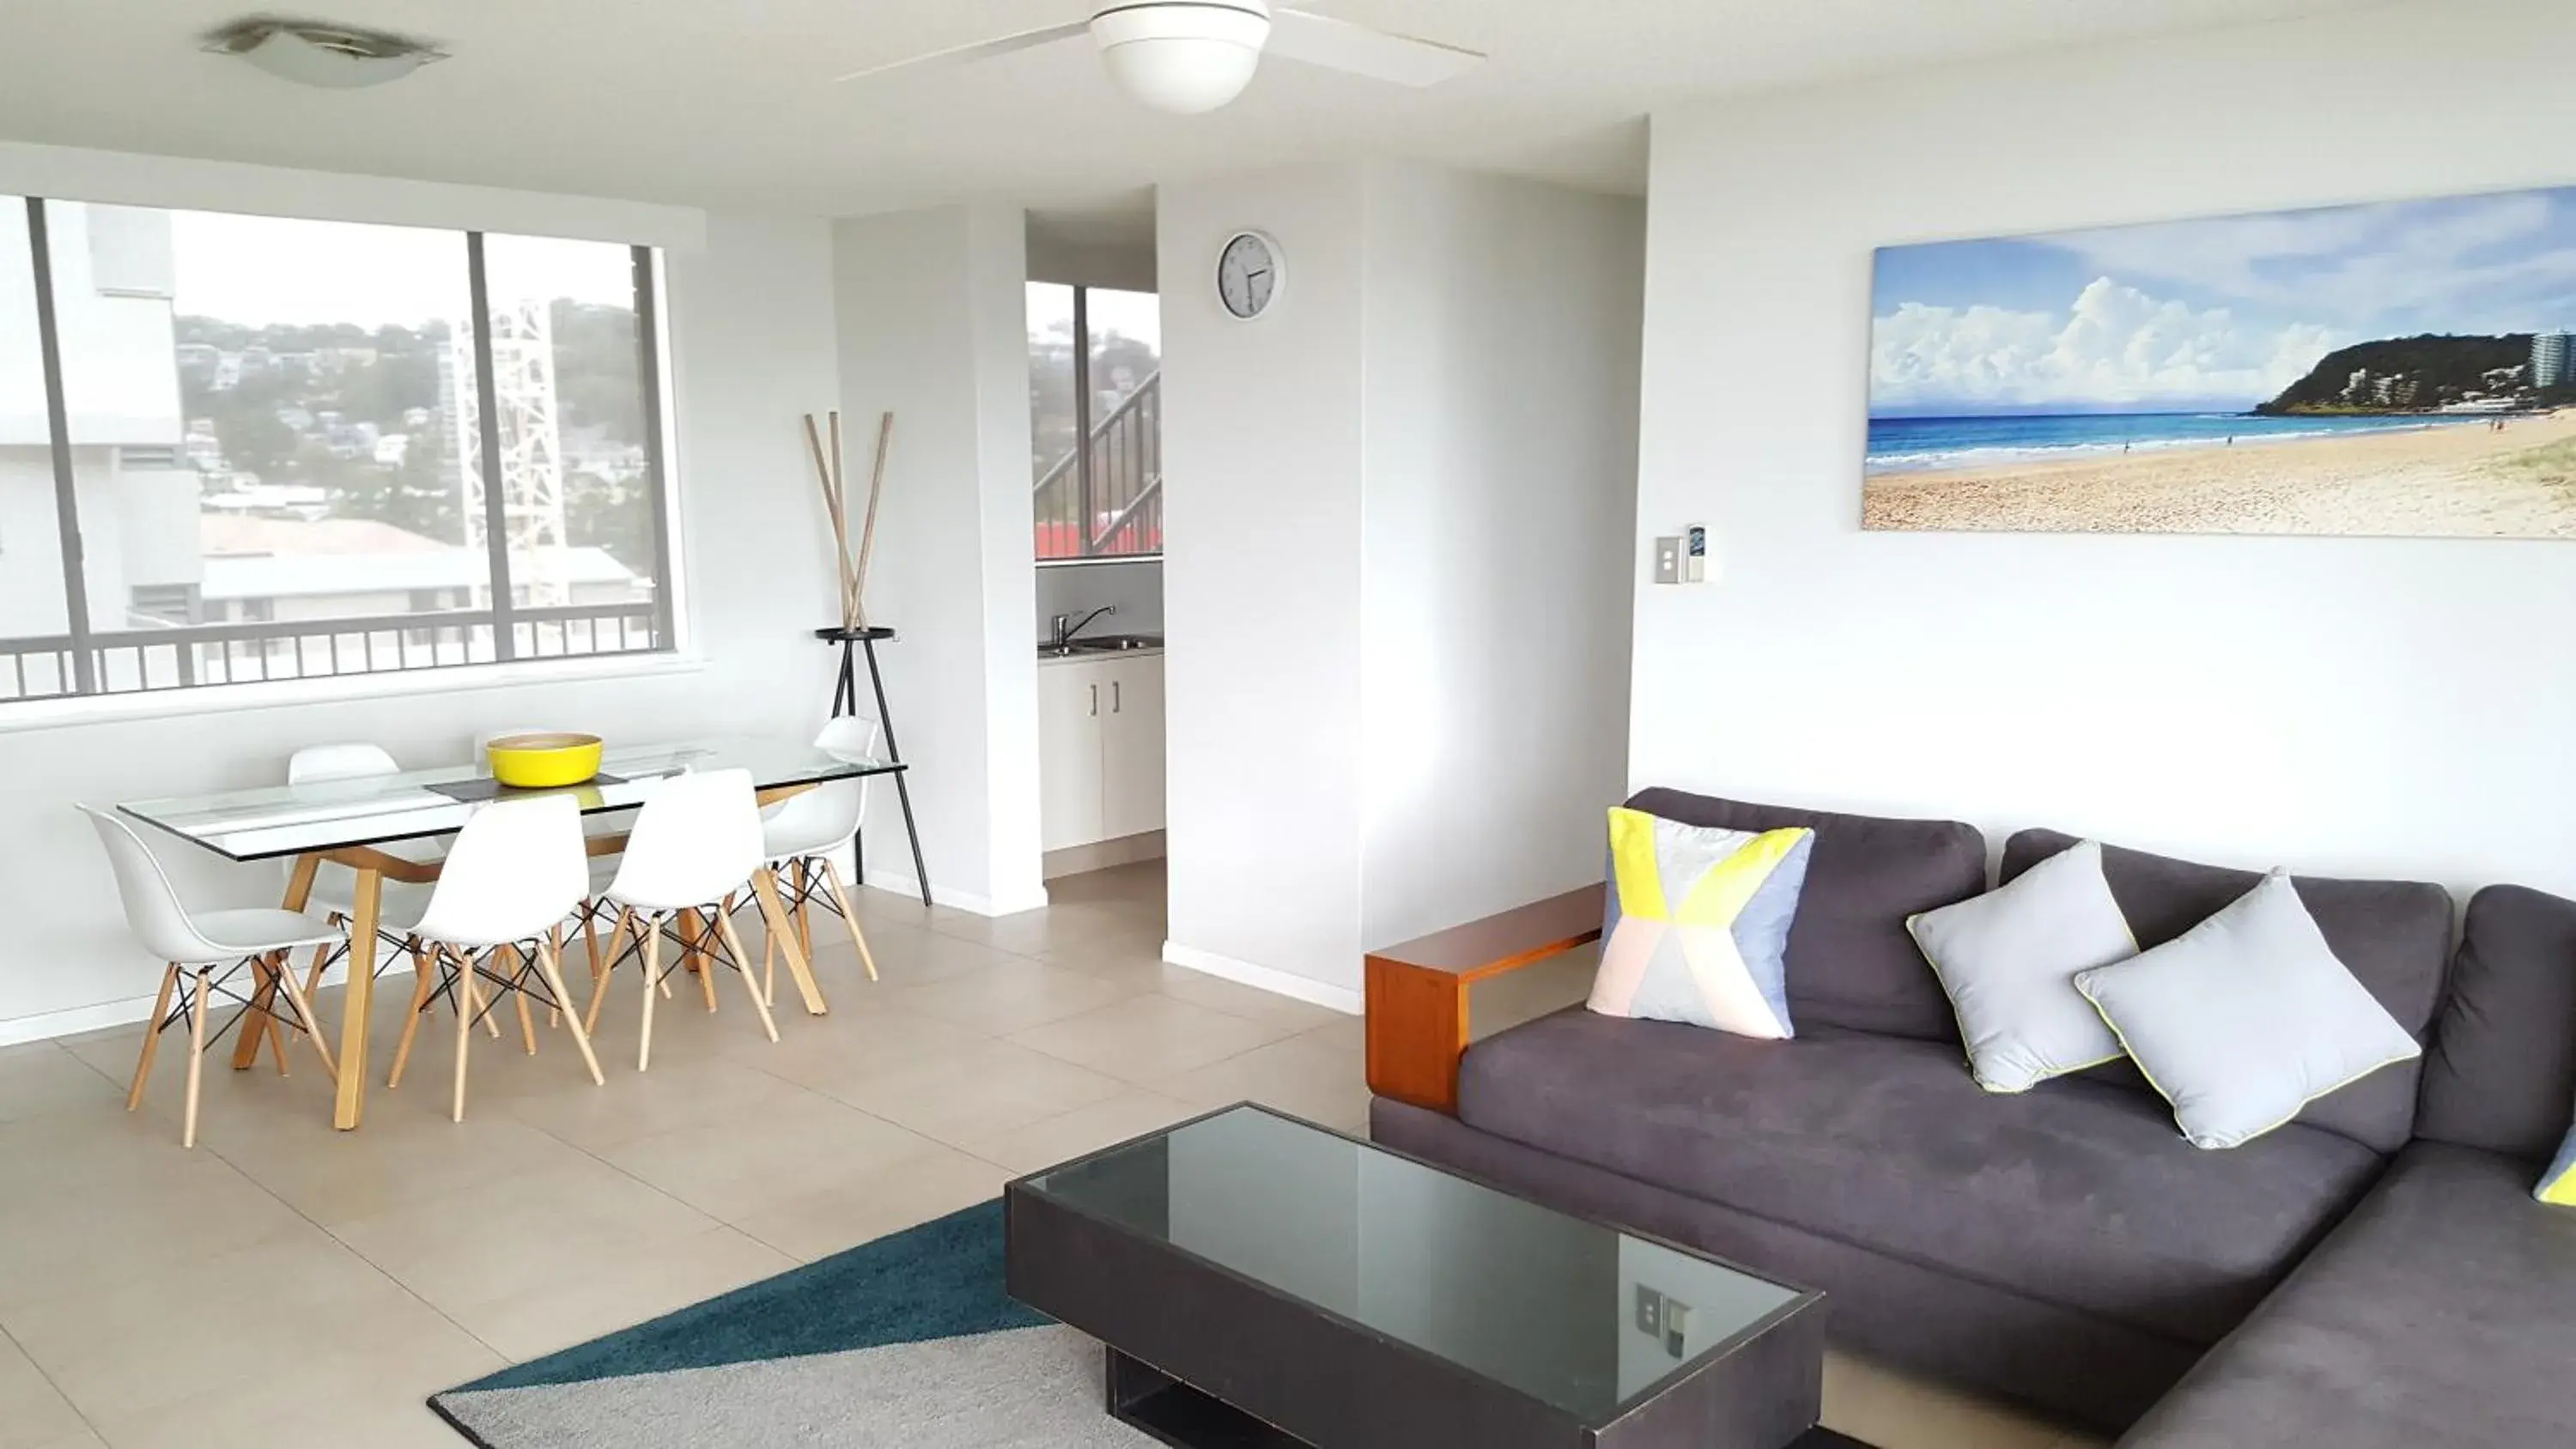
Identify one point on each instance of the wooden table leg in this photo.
(263, 996)
(765, 885)
(352, 1103)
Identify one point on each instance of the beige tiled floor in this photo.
(286, 1285)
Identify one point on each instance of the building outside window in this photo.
(236, 448)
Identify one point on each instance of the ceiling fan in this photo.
(1187, 56)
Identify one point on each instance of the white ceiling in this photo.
(728, 103)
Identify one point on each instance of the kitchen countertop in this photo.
(1047, 655)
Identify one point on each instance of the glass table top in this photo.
(275, 821)
(1517, 1293)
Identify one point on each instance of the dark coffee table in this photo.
(1262, 1283)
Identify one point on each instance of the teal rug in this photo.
(907, 1341)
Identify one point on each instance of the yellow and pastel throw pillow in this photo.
(2558, 1189)
(1698, 924)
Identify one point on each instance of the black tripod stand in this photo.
(845, 700)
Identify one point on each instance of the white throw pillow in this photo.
(2246, 1018)
(2008, 959)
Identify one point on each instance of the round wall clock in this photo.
(1249, 273)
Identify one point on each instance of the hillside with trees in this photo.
(2418, 375)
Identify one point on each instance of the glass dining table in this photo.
(352, 822)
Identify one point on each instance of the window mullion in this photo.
(487, 409)
(1082, 414)
(648, 364)
(58, 421)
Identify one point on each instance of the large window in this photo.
(238, 448)
(1096, 422)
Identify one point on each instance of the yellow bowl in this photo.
(543, 762)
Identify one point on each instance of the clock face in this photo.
(1248, 274)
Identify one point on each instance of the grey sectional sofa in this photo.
(2374, 1274)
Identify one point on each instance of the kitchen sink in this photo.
(1101, 644)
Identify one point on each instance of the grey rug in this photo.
(907, 1341)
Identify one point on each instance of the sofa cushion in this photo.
(2074, 1193)
(2394, 936)
(1850, 962)
(2502, 1071)
(2439, 1313)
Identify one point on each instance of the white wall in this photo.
(2331, 704)
(1395, 583)
(1261, 580)
(752, 347)
(1134, 589)
(1501, 463)
(932, 324)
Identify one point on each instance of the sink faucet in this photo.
(1066, 626)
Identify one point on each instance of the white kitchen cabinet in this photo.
(1100, 748)
(1131, 748)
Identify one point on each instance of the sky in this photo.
(261, 270)
(2215, 313)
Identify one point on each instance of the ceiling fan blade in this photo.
(980, 50)
(1341, 45)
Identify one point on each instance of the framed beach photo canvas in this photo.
(2404, 368)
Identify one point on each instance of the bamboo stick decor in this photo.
(831, 477)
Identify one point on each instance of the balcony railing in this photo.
(1105, 499)
(183, 656)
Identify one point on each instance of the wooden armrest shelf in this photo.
(1417, 992)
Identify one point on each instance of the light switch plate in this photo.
(1650, 1311)
(1668, 559)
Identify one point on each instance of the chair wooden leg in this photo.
(303, 1005)
(695, 933)
(550, 966)
(196, 1057)
(769, 966)
(516, 966)
(554, 1013)
(424, 981)
(464, 1036)
(600, 972)
(805, 904)
(313, 977)
(742, 965)
(652, 971)
(275, 975)
(841, 897)
(152, 1037)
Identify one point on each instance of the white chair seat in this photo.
(398, 906)
(258, 930)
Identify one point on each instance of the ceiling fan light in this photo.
(1184, 77)
(1182, 58)
(332, 59)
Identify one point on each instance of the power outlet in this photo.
(1650, 1312)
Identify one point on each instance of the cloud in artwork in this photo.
(2468, 264)
(2114, 346)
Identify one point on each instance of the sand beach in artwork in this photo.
(2467, 479)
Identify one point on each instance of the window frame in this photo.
(84, 655)
(1085, 469)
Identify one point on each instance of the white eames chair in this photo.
(695, 847)
(800, 837)
(214, 947)
(516, 871)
